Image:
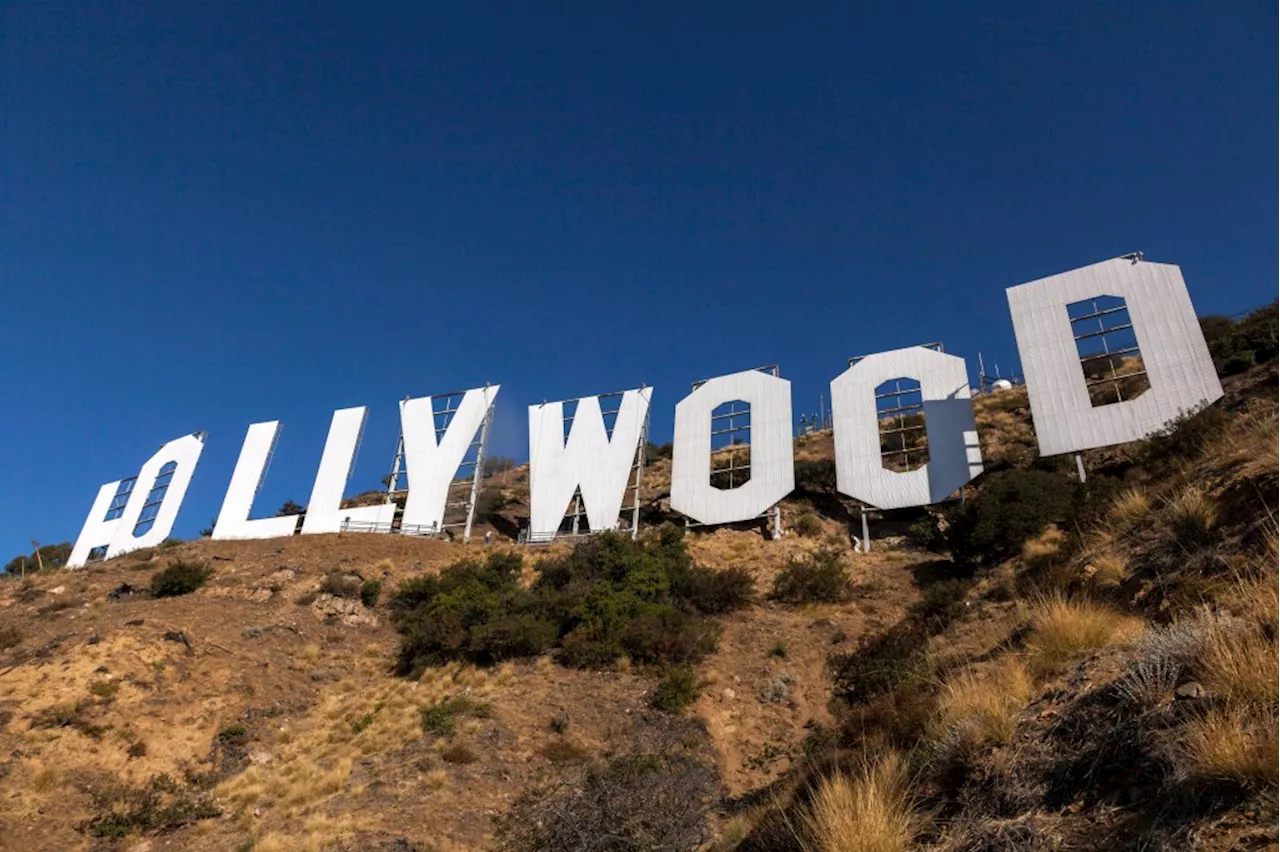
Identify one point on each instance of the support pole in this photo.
(1080, 466)
(477, 473)
(866, 532)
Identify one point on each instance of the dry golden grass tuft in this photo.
(1238, 662)
(1262, 457)
(1107, 571)
(1192, 517)
(1131, 508)
(872, 811)
(1232, 745)
(1062, 628)
(982, 708)
(1044, 549)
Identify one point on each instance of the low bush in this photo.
(927, 534)
(676, 691)
(160, 805)
(941, 603)
(459, 753)
(608, 597)
(1237, 346)
(180, 578)
(1193, 515)
(370, 591)
(1011, 507)
(632, 802)
(816, 475)
(807, 525)
(1181, 439)
(50, 556)
(883, 664)
(440, 717)
(341, 585)
(820, 577)
(9, 637)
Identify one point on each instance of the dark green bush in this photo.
(927, 534)
(440, 718)
(180, 578)
(160, 805)
(341, 585)
(1181, 439)
(941, 603)
(807, 525)
(882, 664)
(1237, 346)
(1010, 507)
(370, 591)
(816, 475)
(607, 597)
(820, 577)
(50, 556)
(677, 690)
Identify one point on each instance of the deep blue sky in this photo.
(217, 213)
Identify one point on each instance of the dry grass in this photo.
(1131, 508)
(1062, 628)
(1107, 572)
(1192, 517)
(1238, 662)
(870, 812)
(1044, 549)
(983, 708)
(1232, 745)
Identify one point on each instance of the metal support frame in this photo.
(1103, 334)
(477, 450)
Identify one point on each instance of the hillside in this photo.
(1095, 668)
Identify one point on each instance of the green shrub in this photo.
(816, 475)
(607, 597)
(370, 591)
(1181, 439)
(341, 585)
(927, 534)
(941, 603)
(807, 525)
(677, 690)
(180, 578)
(1010, 507)
(160, 805)
(439, 718)
(882, 665)
(820, 577)
(1237, 346)
(50, 556)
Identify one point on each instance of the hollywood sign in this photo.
(592, 468)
